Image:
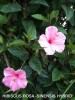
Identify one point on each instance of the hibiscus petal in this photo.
(59, 48)
(60, 38)
(21, 73)
(43, 41)
(60, 34)
(9, 71)
(22, 83)
(50, 32)
(15, 86)
(49, 50)
(6, 81)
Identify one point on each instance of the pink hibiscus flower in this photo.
(52, 40)
(15, 80)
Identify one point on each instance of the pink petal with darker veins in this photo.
(49, 50)
(59, 48)
(20, 73)
(50, 32)
(15, 87)
(7, 81)
(9, 71)
(22, 83)
(43, 41)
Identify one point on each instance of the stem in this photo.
(6, 60)
(24, 6)
(68, 88)
(70, 73)
(22, 64)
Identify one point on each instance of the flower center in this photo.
(50, 41)
(15, 78)
(16, 75)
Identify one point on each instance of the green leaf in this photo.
(40, 17)
(28, 70)
(72, 62)
(23, 91)
(16, 43)
(2, 32)
(51, 66)
(72, 31)
(56, 75)
(31, 34)
(44, 74)
(54, 14)
(19, 52)
(69, 12)
(30, 30)
(11, 7)
(61, 29)
(3, 19)
(1, 48)
(35, 64)
(72, 21)
(33, 8)
(36, 46)
(26, 24)
(1, 39)
(72, 98)
(42, 2)
(44, 81)
(72, 47)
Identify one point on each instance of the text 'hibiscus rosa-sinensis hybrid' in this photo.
(15, 80)
(52, 40)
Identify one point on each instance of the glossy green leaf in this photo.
(26, 24)
(72, 62)
(35, 64)
(11, 7)
(61, 29)
(16, 42)
(19, 52)
(57, 75)
(28, 70)
(42, 2)
(31, 34)
(54, 14)
(36, 46)
(72, 21)
(44, 74)
(40, 17)
(69, 12)
(3, 19)
(30, 30)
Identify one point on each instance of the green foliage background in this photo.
(21, 24)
